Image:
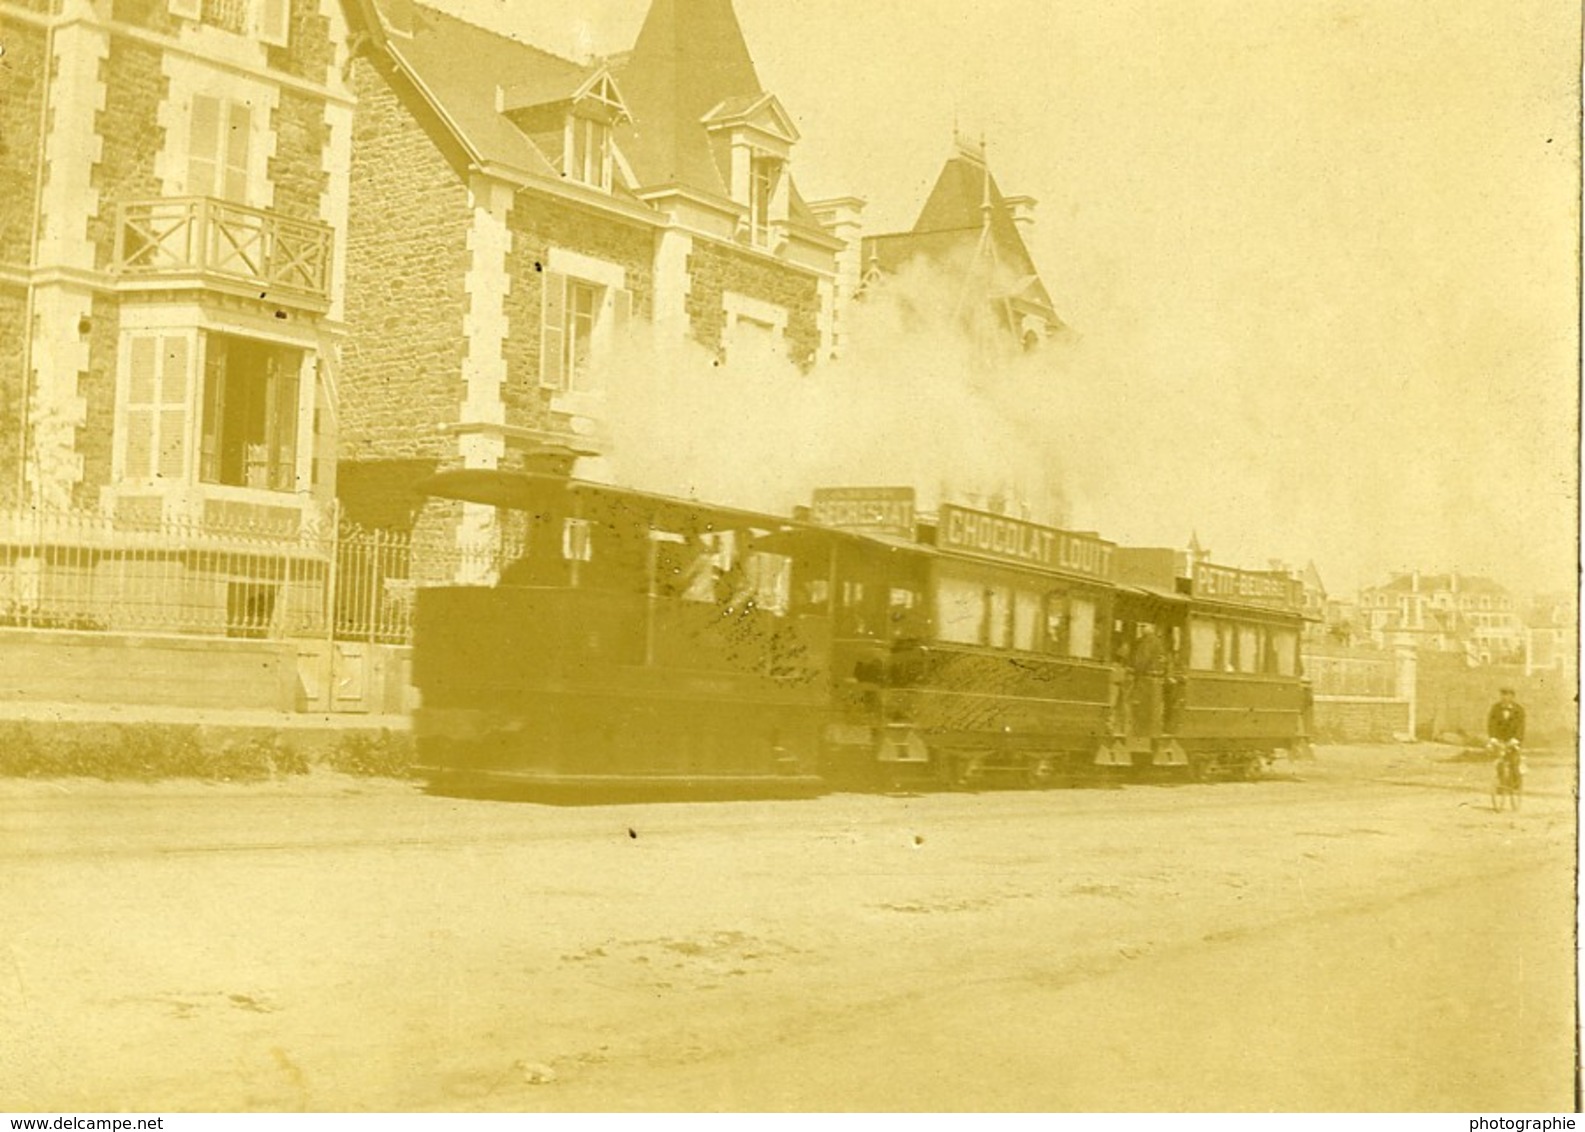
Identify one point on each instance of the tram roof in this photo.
(526, 491)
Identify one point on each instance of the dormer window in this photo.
(764, 179)
(571, 122)
(588, 151)
(753, 137)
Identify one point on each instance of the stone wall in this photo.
(714, 269)
(407, 256)
(132, 137)
(308, 52)
(1359, 719)
(538, 224)
(1453, 698)
(22, 79)
(97, 387)
(297, 167)
(13, 319)
(115, 668)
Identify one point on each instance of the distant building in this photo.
(1446, 613)
(971, 235)
(171, 248)
(517, 215)
(1551, 634)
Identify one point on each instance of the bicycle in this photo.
(1508, 774)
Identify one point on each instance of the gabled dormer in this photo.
(571, 120)
(752, 139)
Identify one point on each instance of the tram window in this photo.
(907, 616)
(1248, 649)
(576, 543)
(813, 595)
(1203, 642)
(1285, 643)
(998, 616)
(767, 582)
(960, 610)
(1081, 628)
(1056, 637)
(1026, 620)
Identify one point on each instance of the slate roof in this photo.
(461, 65)
(1440, 583)
(690, 56)
(952, 223)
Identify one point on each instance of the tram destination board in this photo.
(875, 510)
(989, 535)
(1248, 587)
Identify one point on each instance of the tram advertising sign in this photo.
(1251, 587)
(873, 510)
(1014, 540)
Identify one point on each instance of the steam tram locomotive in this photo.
(632, 642)
(640, 642)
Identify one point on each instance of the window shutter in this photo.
(239, 121)
(621, 314)
(173, 411)
(142, 390)
(187, 9)
(283, 452)
(275, 22)
(145, 374)
(214, 408)
(203, 146)
(553, 332)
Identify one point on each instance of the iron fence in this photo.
(89, 571)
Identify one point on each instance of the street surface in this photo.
(1360, 932)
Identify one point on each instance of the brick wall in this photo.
(297, 168)
(714, 269)
(538, 224)
(22, 77)
(134, 87)
(13, 318)
(407, 256)
(97, 387)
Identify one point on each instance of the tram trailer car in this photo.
(630, 643)
(968, 650)
(1207, 664)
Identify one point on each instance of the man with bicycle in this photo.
(1504, 736)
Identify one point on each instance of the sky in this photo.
(1320, 259)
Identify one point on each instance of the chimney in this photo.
(1022, 209)
(1414, 581)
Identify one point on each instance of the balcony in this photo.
(200, 241)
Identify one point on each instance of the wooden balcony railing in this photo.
(204, 238)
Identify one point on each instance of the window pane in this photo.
(1202, 645)
(1081, 628)
(1286, 643)
(1026, 620)
(1248, 649)
(960, 610)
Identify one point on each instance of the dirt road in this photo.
(1361, 932)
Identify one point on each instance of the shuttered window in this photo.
(275, 21)
(156, 408)
(578, 320)
(217, 153)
